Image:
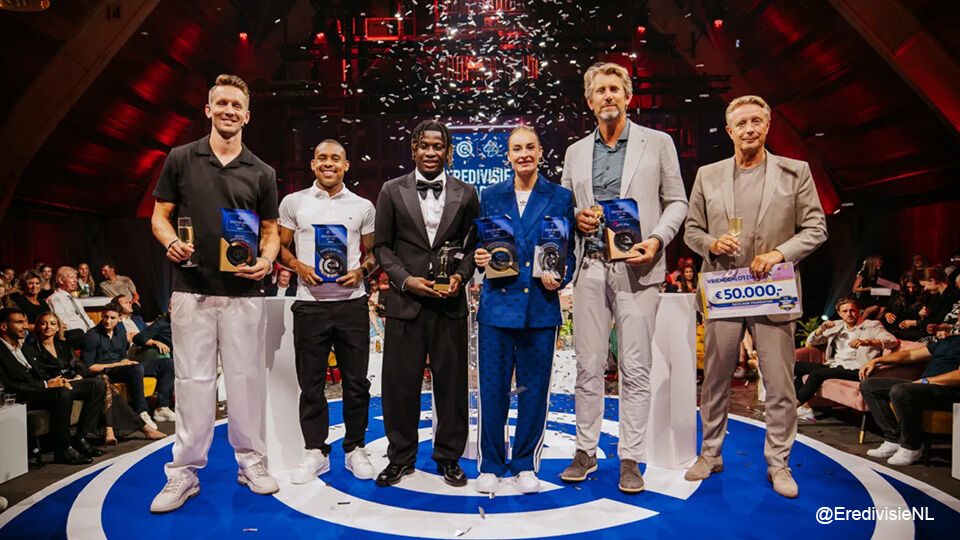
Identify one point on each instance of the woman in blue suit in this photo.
(518, 319)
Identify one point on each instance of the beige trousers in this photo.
(775, 353)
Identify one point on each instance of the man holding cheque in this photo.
(753, 210)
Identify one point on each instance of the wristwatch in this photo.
(924, 381)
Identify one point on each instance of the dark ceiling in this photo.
(877, 137)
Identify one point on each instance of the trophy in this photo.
(622, 228)
(442, 281)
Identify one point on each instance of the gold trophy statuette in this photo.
(442, 282)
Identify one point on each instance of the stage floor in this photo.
(111, 499)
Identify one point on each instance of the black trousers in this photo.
(160, 367)
(132, 376)
(817, 374)
(407, 345)
(59, 403)
(345, 326)
(909, 400)
(74, 338)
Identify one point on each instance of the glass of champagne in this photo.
(185, 234)
(735, 227)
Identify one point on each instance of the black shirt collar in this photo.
(202, 148)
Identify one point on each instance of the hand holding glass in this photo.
(185, 234)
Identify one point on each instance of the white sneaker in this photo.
(487, 483)
(164, 414)
(805, 414)
(175, 493)
(885, 450)
(357, 461)
(905, 457)
(527, 482)
(313, 464)
(257, 479)
(145, 416)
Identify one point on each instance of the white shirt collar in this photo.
(322, 193)
(442, 177)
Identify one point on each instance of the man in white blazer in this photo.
(618, 160)
(782, 220)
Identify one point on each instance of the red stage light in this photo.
(718, 23)
(320, 36)
(641, 29)
(243, 36)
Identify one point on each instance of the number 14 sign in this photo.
(735, 293)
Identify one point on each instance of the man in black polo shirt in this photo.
(212, 312)
(938, 388)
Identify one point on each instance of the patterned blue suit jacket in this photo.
(522, 301)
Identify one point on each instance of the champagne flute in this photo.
(185, 234)
(735, 227)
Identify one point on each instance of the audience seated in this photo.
(918, 263)
(851, 343)
(687, 282)
(938, 389)
(23, 375)
(85, 284)
(29, 301)
(63, 303)
(285, 286)
(114, 284)
(9, 275)
(105, 351)
(904, 306)
(871, 306)
(941, 298)
(132, 324)
(56, 357)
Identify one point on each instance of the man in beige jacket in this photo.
(782, 221)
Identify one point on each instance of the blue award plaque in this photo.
(550, 253)
(239, 238)
(622, 228)
(330, 258)
(495, 234)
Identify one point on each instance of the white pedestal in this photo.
(955, 451)
(284, 439)
(671, 438)
(13, 443)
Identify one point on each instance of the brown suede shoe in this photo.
(578, 470)
(703, 468)
(783, 483)
(630, 479)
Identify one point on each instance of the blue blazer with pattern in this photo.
(522, 301)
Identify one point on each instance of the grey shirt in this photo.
(608, 165)
(747, 192)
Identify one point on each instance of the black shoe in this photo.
(85, 448)
(70, 456)
(453, 475)
(393, 474)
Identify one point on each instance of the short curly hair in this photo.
(432, 125)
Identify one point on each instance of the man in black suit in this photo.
(23, 375)
(417, 215)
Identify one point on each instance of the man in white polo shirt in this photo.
(330, 314)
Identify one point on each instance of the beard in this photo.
(607, 115)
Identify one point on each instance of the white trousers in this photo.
(606, 292)
(205, 327)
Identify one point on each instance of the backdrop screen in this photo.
(480, 157)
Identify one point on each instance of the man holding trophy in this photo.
(753, 210)
(634, 172)
(422, 216)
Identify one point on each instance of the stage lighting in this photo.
(641, 29)
(24, 5)
(243, 36)
(824, 318)
(718, 23)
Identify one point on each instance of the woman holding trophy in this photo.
(527, 254)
